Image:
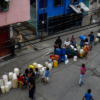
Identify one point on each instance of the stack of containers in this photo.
(58, 52)
(63, 52)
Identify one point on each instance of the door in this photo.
(4, 37)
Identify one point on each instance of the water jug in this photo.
(63, 58)
(5, 79)
(97, 40)
(82, 37)
(75, 49)
(81, 51)
(75, 58)
(76, 53)
(3, 89)
(6, 88)
(46, 64)
(59, 59)
(72, 52)
(66, 62)
(50, 60)
(16, 70)
(1, 82)
(40, 66)
(31, 66)
(63, 51)
(68, 51)
(58, 51)
(15, 83)
(78, 48)
(55, 63)
(41, 72)
(35, 65)
(9, 84)
(66, 57)
(10, 75)
(14, 76)
(43, 69)
(98, 35)
(50, 66)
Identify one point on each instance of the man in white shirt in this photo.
(67, 43)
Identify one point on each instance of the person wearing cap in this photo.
(91, 35)
(19, 40)
(86, 48)
(59, 42)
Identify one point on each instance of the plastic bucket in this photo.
(82, 37)
(55, 63)
(52, 57)
(68, 51)
(57, 57)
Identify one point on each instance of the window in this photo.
(74, 1)
(57, 3)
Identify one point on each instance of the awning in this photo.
(80, 8)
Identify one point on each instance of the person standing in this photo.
(87, 95)
(83, 70)
(19, 40)
(32, 87)
(12, 47)
(59, 42)
(86, 48)
(91, 35)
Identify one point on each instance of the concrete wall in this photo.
(19, 11)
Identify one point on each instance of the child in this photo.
(86, 48)
(22, 78)
(45, 77)
(37, 74)
(30, 71)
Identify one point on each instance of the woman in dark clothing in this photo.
(59, 42)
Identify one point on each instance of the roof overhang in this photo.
(80, 8)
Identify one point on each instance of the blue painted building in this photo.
(58, 15)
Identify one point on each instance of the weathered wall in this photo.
(19, 10)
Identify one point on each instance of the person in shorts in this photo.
(91, 35)
(45, 77)
(86, 48)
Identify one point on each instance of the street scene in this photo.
(51, 51)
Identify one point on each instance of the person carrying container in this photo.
(91, 35)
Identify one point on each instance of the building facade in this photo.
(56, 15)
(11, 12)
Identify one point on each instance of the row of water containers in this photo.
(9, 81)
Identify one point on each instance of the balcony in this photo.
(4, 6)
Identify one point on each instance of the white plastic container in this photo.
(81, 51)
(35, 64)
(98, 34)
(75, 49)
(40, 66)
(78, 48)
(6, 88)
(10, 75)
(15, 83)
(66, 57)
(3, 89)
(14, 76)
(66, 62)
(41, 72)
(16, 70)
(9, 84)
(75, 58)
(46, 64)
(1, 82)
(50, 66)
(5, 79)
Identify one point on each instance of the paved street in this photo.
(64, 79)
